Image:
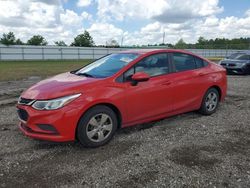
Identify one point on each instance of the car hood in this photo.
(58, 86)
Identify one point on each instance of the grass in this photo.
(216, 59)
(17, 70)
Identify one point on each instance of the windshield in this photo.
(107, 66)
(243, 57)
(233, 56)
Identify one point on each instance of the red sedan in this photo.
(120, 90)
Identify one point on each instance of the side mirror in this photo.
(139, 77)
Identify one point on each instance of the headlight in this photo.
(54, 103)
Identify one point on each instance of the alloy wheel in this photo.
(211, 101)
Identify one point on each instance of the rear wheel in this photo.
(97, 126)
(210, 102)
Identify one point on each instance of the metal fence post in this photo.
(61, 53)
(43, 53)
(78, 50)
(227, 51)
(93, 52)
(0, 53)
(23, 53)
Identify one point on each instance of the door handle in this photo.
(166, 83)
(201, 74)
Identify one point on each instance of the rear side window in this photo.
(200, 63)
(183, 62)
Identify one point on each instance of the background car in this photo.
(120, 90)
(237, 63)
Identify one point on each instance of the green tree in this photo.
(37, 40)
(202, 43)
(83, 40)
(181, 44)
(19, 42)
(8, 39)
(60, 43)
(112, 43)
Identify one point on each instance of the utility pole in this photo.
(163, 38)
(122, 39)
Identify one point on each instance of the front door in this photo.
(153, 97)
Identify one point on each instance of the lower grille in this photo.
(26, 128)
(23, 114)
(46, 127)
(228, 65)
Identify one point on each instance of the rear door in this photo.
(189, 81)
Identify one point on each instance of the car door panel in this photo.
(150, 98)
(188, 86)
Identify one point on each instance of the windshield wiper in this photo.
(85, 74)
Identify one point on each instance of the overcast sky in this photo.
(138, 21)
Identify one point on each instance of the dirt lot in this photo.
(188, 150)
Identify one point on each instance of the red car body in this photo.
(161, 96)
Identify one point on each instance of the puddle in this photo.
(192, 156)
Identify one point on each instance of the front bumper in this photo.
(39, 135)
(55, 125)
(235, 69)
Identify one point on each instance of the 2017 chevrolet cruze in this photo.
(120, 90)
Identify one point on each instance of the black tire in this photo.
(204, 109)
(84, 124)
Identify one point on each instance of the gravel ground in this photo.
(187, 150)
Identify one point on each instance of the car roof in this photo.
(149, 51)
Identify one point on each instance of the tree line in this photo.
(83, 39)
(218, 43)
(86, 40)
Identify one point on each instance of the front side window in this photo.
(183, 62)
(108, 65)
(153, 65)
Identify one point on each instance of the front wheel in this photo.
(97, 126)
(210, 102)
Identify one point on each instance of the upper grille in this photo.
(23, 114)
(228, 64)
(25, 101)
